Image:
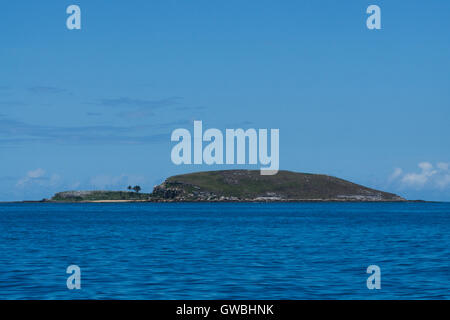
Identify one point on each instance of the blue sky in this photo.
(94, 108)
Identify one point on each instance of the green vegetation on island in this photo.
(76, 196)
(240, 185)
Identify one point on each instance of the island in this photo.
(239, 186)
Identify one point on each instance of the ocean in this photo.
(225, 250)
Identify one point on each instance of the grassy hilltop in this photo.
(251, 185)
(241, 185)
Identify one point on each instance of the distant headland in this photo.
(239, 186)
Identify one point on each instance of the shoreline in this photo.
(230, 201)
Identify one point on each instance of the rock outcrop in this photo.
(249, 185)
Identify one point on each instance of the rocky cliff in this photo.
(249, 185)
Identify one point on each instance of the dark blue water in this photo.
(225, 251)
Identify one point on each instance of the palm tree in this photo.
(137, 188)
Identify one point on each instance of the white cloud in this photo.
(444, 181)
(33, 174)
(421, 178)
(429, 176)
(38, 177)
(397, 173)
(443, 166)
